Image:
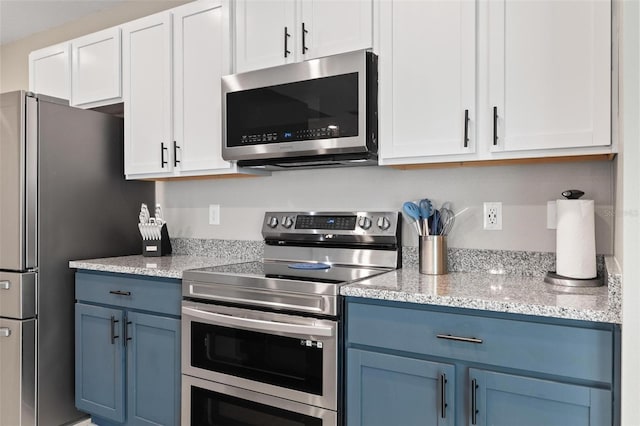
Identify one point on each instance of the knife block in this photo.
(156, 248)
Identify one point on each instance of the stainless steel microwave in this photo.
(317, 113)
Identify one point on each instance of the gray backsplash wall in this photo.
(523, 189)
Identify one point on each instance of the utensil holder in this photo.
(157, 247)
(432, 254)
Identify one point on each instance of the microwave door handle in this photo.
(262, 325)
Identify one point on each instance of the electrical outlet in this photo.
(214, 214)
(493, 216)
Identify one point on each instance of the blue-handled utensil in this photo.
(412, 210)
(426, 211)
(435, 222)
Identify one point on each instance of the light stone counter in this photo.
(164, 266)
(528, 295)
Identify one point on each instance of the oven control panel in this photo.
(281, 224)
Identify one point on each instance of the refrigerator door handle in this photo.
(5, 285)
(5, 332)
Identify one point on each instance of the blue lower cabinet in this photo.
(505, 400)
(127, 357)
(99, 361)
(410, 364)
(384, 390)
(153, 370)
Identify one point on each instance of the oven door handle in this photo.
(262, 325)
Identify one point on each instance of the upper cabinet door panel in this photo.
(197, 74)
(147, 94)
(550, 73)
(96, 68)
(335, 26)
(49, 71)
(260, 33)
(427, 77)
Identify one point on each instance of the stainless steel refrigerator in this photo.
(63, 196)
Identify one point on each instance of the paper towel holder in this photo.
(554, 278)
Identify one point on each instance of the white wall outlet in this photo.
(493, 216)
(214, 214)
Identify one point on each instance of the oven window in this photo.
(321, 108)
(277, 360)
(210, 408)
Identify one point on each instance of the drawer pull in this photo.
(5, 332)
(120, 293)
(459, 339)
(443, 396)
(5, 285)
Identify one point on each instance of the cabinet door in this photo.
(507, 400)
(96, 69)
(147, 95)
(260, 27)
(385, 390)
(99, 361)
(153, 369)
(427, 78)
(334, 26)
(197, 72)
(549, 73)
(49, 71)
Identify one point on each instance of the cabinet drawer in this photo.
(546, 348)
(162, 295)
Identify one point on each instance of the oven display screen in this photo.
(338, 223)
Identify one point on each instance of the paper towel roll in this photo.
(576, 239)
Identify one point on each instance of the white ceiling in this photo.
(21, 18)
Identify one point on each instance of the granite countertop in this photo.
(528, 295)
(164, 266)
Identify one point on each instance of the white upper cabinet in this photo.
(549, 74)
(330, 27)
(147, 95)
(264, 33)
(49, 71)
(427, 75)
(270, 33)
(96, 69)
(173, 64)
(198, 68)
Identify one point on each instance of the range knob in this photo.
(364, 222)
(383, 223)
(272, 222)
(287, 221)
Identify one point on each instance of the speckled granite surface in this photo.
(529, 263)
(239, 249)
(502, 281)
(519, 294)
(165, 266)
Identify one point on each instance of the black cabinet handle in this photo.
(459, 338)
(495, 126)
(466, 128)
(162, 150)
(113, 329)
(286, 41)
(443, 396)
(474, 402)
(175, 154)
(126, 331)
(120, 292)
(304, 39)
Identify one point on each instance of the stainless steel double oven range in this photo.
(262, 341)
